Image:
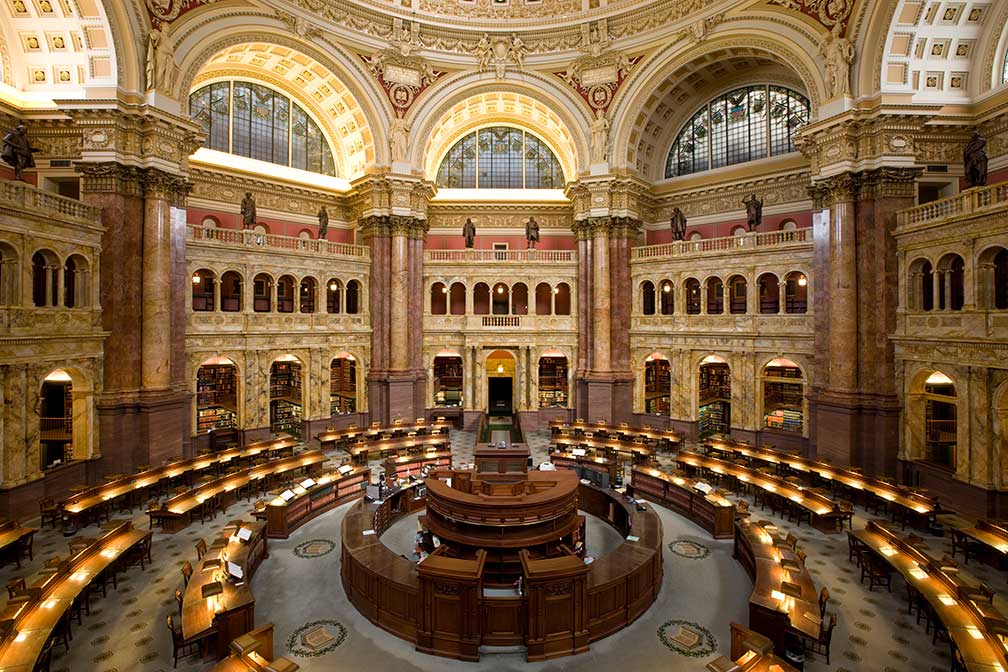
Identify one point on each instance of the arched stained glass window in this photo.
(500, 158)
(754, 122)
(1004, 73)
(255, 121)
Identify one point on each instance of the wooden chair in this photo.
(791, 540)
(987, 592)
(822, 645)
(823, 600)
(140, 553)
(15, 587)
(200, 549)
(178, 598)
(854, 548)
(846, 515)
(44, 661)
(876, 571)
(180, 645)
(801, 555)
(187, 572)
(49, 510)
(961, 542)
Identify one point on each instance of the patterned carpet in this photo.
(299, 590)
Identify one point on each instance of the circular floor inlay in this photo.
(687, 638)
(315, 548)
(687, 548)
(316, 638)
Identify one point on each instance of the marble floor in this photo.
(299, 585)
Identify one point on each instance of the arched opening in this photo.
(343, 384)
(481, 299)
(562, 299)
(714, 394)
(203, 287)
(940, 426)
(737, 295)
(334, 295)
(56, 419)
(553, 392)
(544, 299)
(457, 299)
(692, 296)
(76, 282)
(519, 299)
(647, 298)
(286, 396)
(715, 296)
(285, 294)
(10, 276)
(307, 294)
(992, 278)
(795, 292)
(231, 292)
(262, 293)
(500, 299)
(920, 286)
(950, 282)
(45, 279)
(666, 298)
(783, 396)
(769, 294)
(438, 299)
(216, 395)
(352, 297)
(1001, 278)
(657, 385)
(448, 381)
(500, 371)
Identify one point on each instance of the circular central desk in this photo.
(442, 604)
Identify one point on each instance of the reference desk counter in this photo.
(710, 510)
(513, 459)
(253, 652)
(411, 465)
(292, 508)
(214, 597)
(27, 623)
(975, 627)
(750, 652)
(599, 470)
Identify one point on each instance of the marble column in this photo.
(601, 296)
(843, 314)
(399, 289)
(155, 285)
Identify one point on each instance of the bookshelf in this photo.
(342, 386)
(553, 382)
(216, 398)
(657, 387)
(448, 381)
(783, 398)
(715, 399)
(285, 398)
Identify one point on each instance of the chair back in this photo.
(16, 587)
(792, 540)
(823, 599)
(178, 598)
(987, 592)
(175, 634)
(187, 572)
(201, 549)
(826, 634)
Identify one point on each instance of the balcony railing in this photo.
(501, 321)
(32, 199)
(968, 202)
(252, 239)
(482, 256)
(751, 241)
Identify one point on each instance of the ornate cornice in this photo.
(110, 178)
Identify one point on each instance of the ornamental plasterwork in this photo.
(598, 73)
(500, 53)
(516, 218)
(784, 189)
(166, 11)
(828, 12)
(223, 188)
(402, 76)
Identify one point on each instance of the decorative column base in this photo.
(850, 429)
(394, 395)
(607, 396)
(143, 428)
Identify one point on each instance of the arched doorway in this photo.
(783, 396)
(448, 380)
(500, 383)
(940, 425)
(343, 384)
(657, 384)
(714, 396)
(553, 392)
(216, 395)
(286, 396)
(56, 419)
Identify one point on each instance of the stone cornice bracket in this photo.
(889, 182)
(371, 196)
(110, 178)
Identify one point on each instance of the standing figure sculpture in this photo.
(754, 211)
(838, 54)
(678, 224)
(531, 233)
(323, 223)
(160, 61)
(399, 143)
(248, 211)
(17, 151)
(975, 161)
(599, 137)
(469, 233)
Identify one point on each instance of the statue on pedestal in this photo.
(531, 233)
(248, 211)
(323, 223)
(17, 151)
(754, 211)
(160, 61)
(599, 137)
(469, 233)
(678, 224)
(975, 161)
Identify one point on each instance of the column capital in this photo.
(889, 182)
(165, 185)
(841, 188)
(110, 178)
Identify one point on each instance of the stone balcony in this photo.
(499, 323)
(217, 323)
(731, 246)
(251, 241)
(467, 256)
(29, 200)
(970, 203)
(784, 324)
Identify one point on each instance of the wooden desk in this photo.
(990, 535)
(330, 490)
(751, 651)
(823, 510)
(336, 438)
(948, 594)
(771, 612)
(253, 652)
(599, 470)
(511, 460)
(713, 512)
(231, 612)
(641, 453)
(27, 626)
(175, 513)
(661, 437)
(385, 448)
(14, 539)
(407, 465)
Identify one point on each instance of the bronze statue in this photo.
(17, 151)
(323, 223)
(469, 232)
(754, 211)
(678, 224)
(248, 211)
(531, 233)
(975, 161)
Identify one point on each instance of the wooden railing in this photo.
(252, 239)
(483, 256)
(968, 202)
(29, 198)
(63, 425)
(750, 241)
